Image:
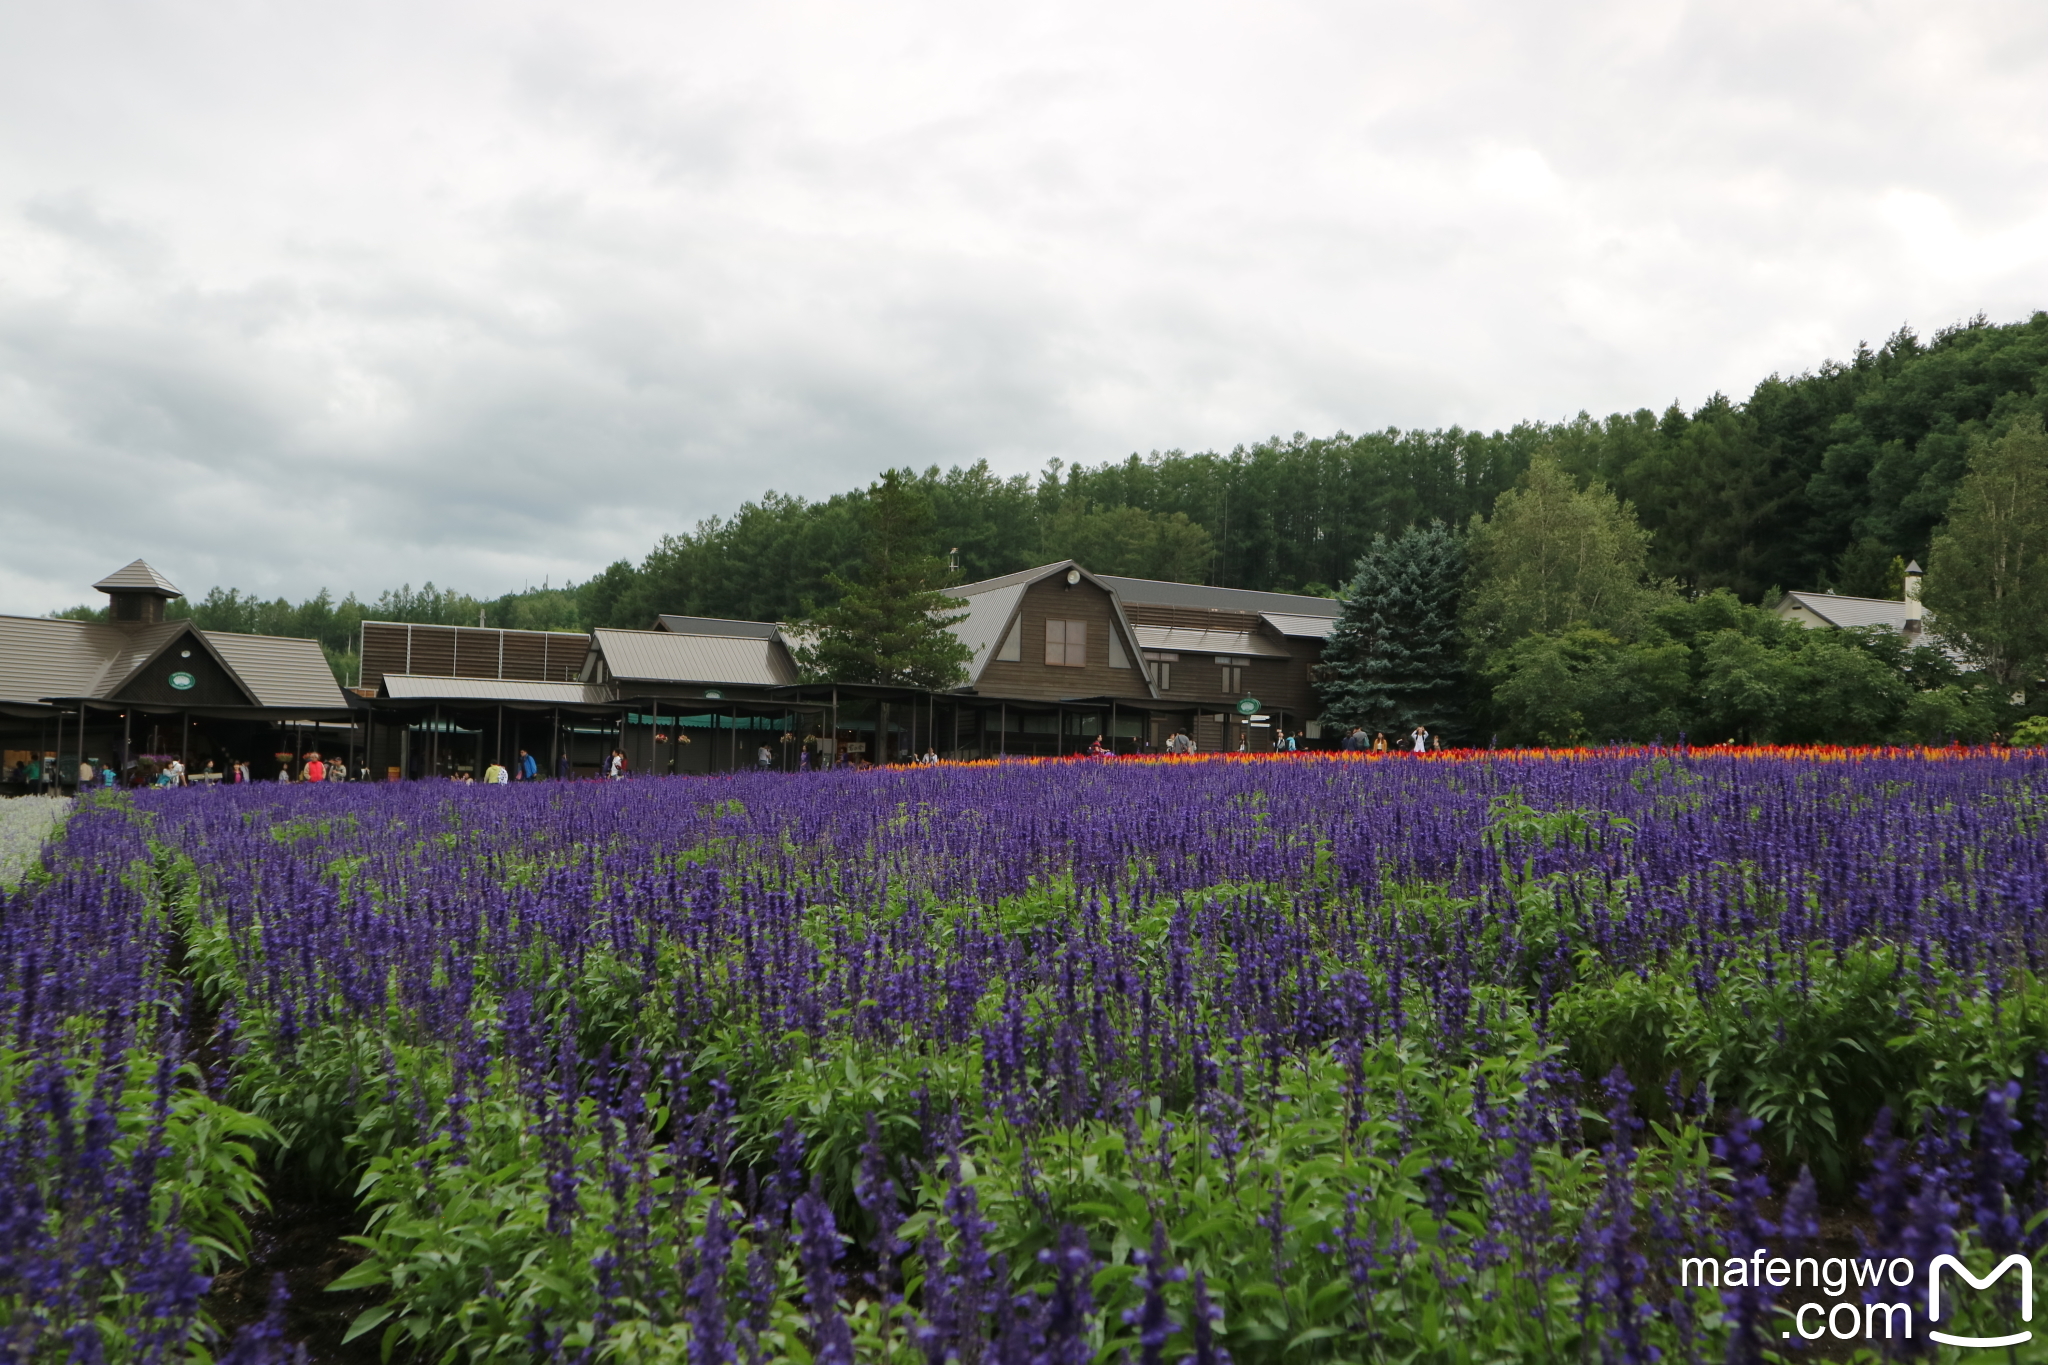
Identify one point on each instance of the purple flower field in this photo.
(1287, 1060)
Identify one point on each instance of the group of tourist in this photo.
(1420, 740)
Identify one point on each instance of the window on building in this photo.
(1159, 668)
(1066, 643)
(1233, 673)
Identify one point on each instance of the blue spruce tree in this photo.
(1395, 660)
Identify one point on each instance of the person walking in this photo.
(528, 769)
(563, 772)
(764, 758)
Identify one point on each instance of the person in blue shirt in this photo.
(528, 769)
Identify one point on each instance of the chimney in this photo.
(1915, 613)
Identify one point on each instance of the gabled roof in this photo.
(140, 647)
(42, 659)
(138, 577)
(1848, 613)
(1852, 613)
(670, 657)
(992, 608)
(279, 670)
(717, 625)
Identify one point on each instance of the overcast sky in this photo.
(352, 295)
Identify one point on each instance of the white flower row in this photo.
(25, 823)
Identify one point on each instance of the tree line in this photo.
(1548, 623)
(1830, 479)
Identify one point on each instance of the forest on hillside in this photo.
(1821, 480)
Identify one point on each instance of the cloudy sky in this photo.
(351, 295)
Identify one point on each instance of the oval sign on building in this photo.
(182, 681)
(1247, 706)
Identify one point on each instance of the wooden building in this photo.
(1061, 658)
(141, 684)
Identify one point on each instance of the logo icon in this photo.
(1248, 706)
(2026, 1298)
(182, 681)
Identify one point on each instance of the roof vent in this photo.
(136, 594)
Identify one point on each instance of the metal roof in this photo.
(42, 658)
(1851, 612)
(1023, 578)
(138, 577)
(1300, 627)
(988, 616)
(993, 602)
(717, 625)
(1241, 642)
(406, 687)
(280, 670)
(666, 656)
(1153, 592)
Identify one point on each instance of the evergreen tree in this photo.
(1394, 660)
(890, 624)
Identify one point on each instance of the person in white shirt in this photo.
(1421, 738)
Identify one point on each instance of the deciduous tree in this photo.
(1987, 577)
(1555, 557)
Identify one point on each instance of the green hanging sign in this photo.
(1247, 706)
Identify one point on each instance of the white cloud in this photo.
(490, 292)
